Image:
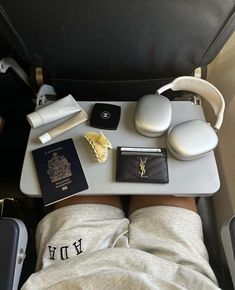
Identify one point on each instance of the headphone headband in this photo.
(202, 88)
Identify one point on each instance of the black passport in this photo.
(59, 171)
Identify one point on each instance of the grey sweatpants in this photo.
(169, 232)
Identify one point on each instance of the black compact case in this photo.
(105, 116)
(144, 165)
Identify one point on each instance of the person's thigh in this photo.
(173, 233)
(140, 201)
(74, 229)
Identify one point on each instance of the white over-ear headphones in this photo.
(191, 139)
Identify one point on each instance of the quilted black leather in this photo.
(142, 167)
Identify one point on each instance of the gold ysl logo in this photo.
(142, 165)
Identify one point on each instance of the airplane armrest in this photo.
(13, 241)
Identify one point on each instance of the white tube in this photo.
(54, 111)
(67, 125)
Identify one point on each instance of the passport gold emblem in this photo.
(58, 168)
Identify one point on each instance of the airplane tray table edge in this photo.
(186, 178)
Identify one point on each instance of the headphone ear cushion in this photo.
(191, 139)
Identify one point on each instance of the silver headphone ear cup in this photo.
(153, 115)
(191, 139)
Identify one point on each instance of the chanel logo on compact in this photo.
(105, 115)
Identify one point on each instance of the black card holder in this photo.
(144, 165)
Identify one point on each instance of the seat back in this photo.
(116, 49)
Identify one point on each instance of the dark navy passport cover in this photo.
(59, 171)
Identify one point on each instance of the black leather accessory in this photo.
(105, 116)
(144, 165)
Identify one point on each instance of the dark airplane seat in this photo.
(116, 50)
(15, 102)
(112, 50)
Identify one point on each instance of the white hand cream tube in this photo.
(67, 125)
(54, 111)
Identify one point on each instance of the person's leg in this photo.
(169, 228)
(77, 225)
(140, 201)
(113, 200)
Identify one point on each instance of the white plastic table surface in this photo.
(198, 177)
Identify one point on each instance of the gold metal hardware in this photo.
(39, 76)
(142, 166)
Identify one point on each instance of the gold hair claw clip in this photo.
(100, 145)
